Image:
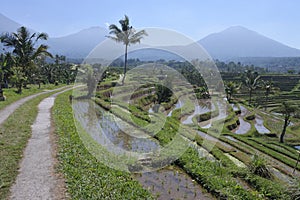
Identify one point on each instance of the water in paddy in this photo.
(106, 129)
(222, 114)
(234, 107)
(172, 183)
(178, 105)
(259, 125)
(198, 110)
(297, 147)
(244, 126)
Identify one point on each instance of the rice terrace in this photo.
(124, 112)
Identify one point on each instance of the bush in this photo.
(250, 117)
(259, 167)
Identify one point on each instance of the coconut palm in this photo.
(251, 81)
(231, 88)
(126, 35)
(23, 45)
(267, 86)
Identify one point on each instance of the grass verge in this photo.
(14, 134)
(12, 96)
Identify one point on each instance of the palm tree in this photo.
(267, 87)
(231, 88)
(251, 81)
(126, 35)
(89, 77)
(24, 50)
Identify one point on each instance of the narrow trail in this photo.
(37, 178)
(8, 110)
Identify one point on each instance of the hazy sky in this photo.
(278, 19)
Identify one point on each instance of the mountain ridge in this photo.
(233, 42)
(236, 38)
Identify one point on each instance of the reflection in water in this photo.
(107, 130)
(172, 184)
(234, 107)
(178, 105)
(244, 126)
(150, 110)
(297, 147)
(259, 125)
(198, 110)
(222, 115)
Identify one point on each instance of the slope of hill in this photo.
(7, 25)
(238, 41)
(77, 45)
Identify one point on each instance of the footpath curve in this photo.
(8, 110)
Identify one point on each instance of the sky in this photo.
(277, 19)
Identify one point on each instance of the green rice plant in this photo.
(294, 189)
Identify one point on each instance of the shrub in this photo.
(250, 117)
(259, 167)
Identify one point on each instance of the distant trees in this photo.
(59, 71)
(251, 81)
(25, 61)
(26, 51)
(126, 35)
(89, 77)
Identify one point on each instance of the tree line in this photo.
(26, 61)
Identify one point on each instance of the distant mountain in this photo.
(234, 42)
(7, 25)
(238, 41)
(77, 45)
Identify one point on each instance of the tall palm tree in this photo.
(251, 81)
(24, 48)
(267, 86)
(126, 35)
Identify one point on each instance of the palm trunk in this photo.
(296, 163)
(19, 87)
(125, 65)
(284, 129)
(250, 96)
(266, 103)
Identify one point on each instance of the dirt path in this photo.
(37, 178)
(8, 110)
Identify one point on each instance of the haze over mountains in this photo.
(233, 42)
(237, 41)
